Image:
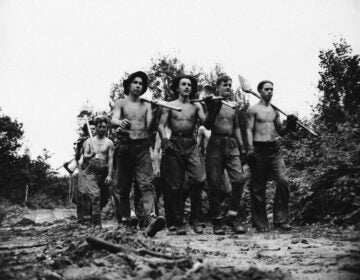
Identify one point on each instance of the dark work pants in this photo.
(94, 181)
(181, 157)
(268, 164)
(223, 153)
(133, 163)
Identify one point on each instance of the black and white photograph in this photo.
(179, 139)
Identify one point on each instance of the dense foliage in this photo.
(18, 171)
(326, 170)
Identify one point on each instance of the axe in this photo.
(232, 106)
(161, 104)
(84, 113)
(245, 86)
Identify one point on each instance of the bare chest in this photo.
(226, 114)
(134, 111)
(188, 113)
(265, 115)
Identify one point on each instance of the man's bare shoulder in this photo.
(120, 102)
(109, 142)
(197, 105)
(253, 109)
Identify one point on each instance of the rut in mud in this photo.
(47, 244)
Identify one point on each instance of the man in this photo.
(133, 161)
(181, 154)
(223, 152)
(98, 156)
(265, 159)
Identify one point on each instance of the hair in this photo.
(100, 120)
(223, 78)
(262, 83)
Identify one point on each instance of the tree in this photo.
(339, 85)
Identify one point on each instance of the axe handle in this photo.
(91, 136)
(282, 112)
(162, 104)
(232, 106)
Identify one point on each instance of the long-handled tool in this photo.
(247, 88)
(84, 112)
(67, 162)
(216, 98)
(161, 104)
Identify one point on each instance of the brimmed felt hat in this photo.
(175, 85)
(131, 77)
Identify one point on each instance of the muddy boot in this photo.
(261, 229)
(218, 227)
(155, 225)
(171, 228)
(96, 221)
(283, 226)
(133, 222)
(235, 224)
(197, 227)
(180, 230)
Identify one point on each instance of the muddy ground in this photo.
(49, 244)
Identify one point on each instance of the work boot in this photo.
(155, 225)
(133, 222)
(261, 229)
(180, 230)
(197, 227)
(218, 227)
(235, 224)
(283, 226)
(171, 228)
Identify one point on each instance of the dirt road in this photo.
(49, 244)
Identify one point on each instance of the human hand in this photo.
(251, 156)
(165, 143)
(108, 180)
(291, 122)
(125, 124)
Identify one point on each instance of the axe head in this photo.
(245, 85)
(85, 111)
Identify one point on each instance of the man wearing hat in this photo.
(133, 161)
(181, 153)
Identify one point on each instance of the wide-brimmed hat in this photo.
(131, 77)
(175, 85)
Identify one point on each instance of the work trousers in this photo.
(268, 164)
(93, 182)
(179, 158)
(223, 153)
(133, 163)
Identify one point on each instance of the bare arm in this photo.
(163, 121)
(116, 115)
(110, 158)
(237, 132)
(148, 116)
(250, 129)
(200, 112)
(88, 151)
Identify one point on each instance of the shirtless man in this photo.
(99, 167)
(223, 152)
(181, 154)
(133, 161)
(265, 159)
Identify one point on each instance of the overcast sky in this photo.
(55, 55)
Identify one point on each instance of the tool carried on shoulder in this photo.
(161, 104)
(245, 86)
(226, 103)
